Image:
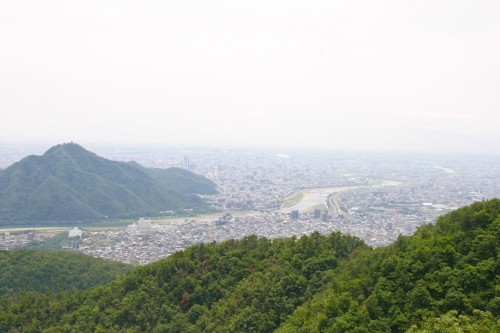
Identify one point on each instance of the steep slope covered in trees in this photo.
(450, 266)
(69, 184)
(446, 273)
(250, 285)
(28, 270)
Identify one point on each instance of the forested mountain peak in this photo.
(84, 159)
(70, 148)
(69, 184)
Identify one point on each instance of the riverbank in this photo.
(327, 196)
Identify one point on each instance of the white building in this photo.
(75, 232)
(144, 226)
(132, 228)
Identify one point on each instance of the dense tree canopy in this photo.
(28, 270)
(69, 184)
(450, 266)
(447, 273)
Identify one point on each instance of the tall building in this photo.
(187, 163)
(144, 226)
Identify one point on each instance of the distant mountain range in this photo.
(69, 184)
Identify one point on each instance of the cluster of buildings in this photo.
(376, 214)
(9, 241)
(142, 227)
(252, 184)
(19, 239)
(163, 240)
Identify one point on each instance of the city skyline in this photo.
(362, 75)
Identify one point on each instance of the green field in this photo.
(292, 199)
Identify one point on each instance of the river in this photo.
(329, 196)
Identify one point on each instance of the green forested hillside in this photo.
(69, 184)
(248, 285)
(182, 181)
(446, 275)
(28, 270)
(450, 266)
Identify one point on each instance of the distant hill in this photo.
(444, 278)
(38, 271)
(69, 184)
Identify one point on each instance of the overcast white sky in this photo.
(279, 73)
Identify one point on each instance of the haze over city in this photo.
(249, 166)
(366, 75)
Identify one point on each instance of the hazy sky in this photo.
(285, 73)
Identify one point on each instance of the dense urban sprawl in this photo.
(253, 183)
